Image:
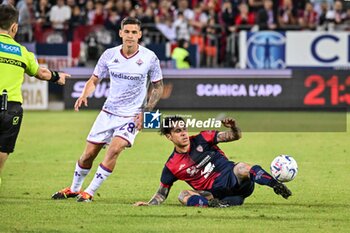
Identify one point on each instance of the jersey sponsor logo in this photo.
(192, 171)
(12, 62)
(207, 170)
(204, 161)
(127, 77)
(8, 48)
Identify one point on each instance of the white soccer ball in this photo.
(284, 168)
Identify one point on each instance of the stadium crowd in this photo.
(210, 24)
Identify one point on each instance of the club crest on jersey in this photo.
(199, 148)
(139, 62)
(116, 60)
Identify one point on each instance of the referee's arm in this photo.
(52, 76)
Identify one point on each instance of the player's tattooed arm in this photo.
(230, 135)
(160, 196)
(157, 91)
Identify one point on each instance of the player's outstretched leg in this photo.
(281, 189)
(260, 176)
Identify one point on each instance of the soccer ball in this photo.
(284, 168)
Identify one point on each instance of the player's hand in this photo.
(229, 122)
(141, 203)
(139, 121)
(79, 102)
(62, 79)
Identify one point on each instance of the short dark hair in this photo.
(130, 20)
(181, 43)
(169, 123)
(8, 16)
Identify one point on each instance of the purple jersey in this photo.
(203, 167)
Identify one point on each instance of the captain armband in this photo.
(54, 76)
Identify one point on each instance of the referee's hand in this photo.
(63, 77)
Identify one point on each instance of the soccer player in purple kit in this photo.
(131, 68)
(197, 160)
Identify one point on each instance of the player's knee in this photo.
(241, 170)
(116, 150)
(117, 146)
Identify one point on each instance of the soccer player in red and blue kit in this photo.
(197, 160)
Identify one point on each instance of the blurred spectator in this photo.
(299, 5)
(199, 24)
(167, 28)
(112, 22)
(128, 8)
(42, 13)
(255, 5)
(165, 11)
(11, 2)
(182, 27)
(182, 6)
(89, 12)
(81, 4)
(147, 17)
(71, 4)
(25, 21)
(319, 4)
(347, 20)
(119, 4)
(288, 15)
(244, 19)
(109, 5)
(322, 19)
(228, 15)
(99, 16)
(75, 21)
(212, 43)
(308, 18)
(59, 15)
(77, 18)
(181, 55)
(336, 16)
(200, 19)
(266, 17)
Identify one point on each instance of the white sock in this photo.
(101, 175)
(78, 177)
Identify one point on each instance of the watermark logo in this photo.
(151, 120)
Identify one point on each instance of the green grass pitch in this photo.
(50, 142)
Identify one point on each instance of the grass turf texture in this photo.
(50, 142)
